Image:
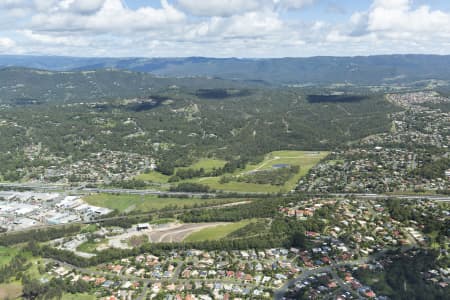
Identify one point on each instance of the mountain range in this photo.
(368, 70)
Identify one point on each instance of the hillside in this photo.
(56, 119)
(27, 86)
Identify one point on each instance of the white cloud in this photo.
(227, 8)
(12, 4)
(399, 16)
(55, 40)
(248, 25)
(15, 9)
(253, 24)
(217, 28)
(83, 6)
(295, 4)
(6, 43)
(221, 8)
(45, 5)
(391, 4)
(112, 16)
(395, 26)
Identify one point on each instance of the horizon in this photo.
(220, 58)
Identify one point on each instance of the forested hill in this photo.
(68, 117)
(33, 86)
(316, 70)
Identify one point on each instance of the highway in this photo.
(86, 190)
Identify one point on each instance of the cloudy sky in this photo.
(224, 28)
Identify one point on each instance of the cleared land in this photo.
(89, 246)
(144, 203)
(179, 233)
(206, 164)
(216, 233)
(153, 176)
(78, 297)
(10, 290)
(304, 159)
(172, 232)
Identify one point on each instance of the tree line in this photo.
(38, 235)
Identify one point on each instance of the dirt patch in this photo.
(179, 233)
(165, 233)
(10, 291)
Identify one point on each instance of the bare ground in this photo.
(173, 232)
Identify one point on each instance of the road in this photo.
(83, 189)
(106, 274)
(441, 198)
(175, 277)
(305, 273)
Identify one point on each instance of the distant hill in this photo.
(23, 86)
(315, 70)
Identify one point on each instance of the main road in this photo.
(83, 189)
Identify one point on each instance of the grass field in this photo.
(90, 247)
(207, 164)
(153, 176)
(124, 202)
(216, 233)
(6, 254)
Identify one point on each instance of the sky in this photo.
(224, 28)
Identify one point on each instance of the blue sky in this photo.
(224, 28)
